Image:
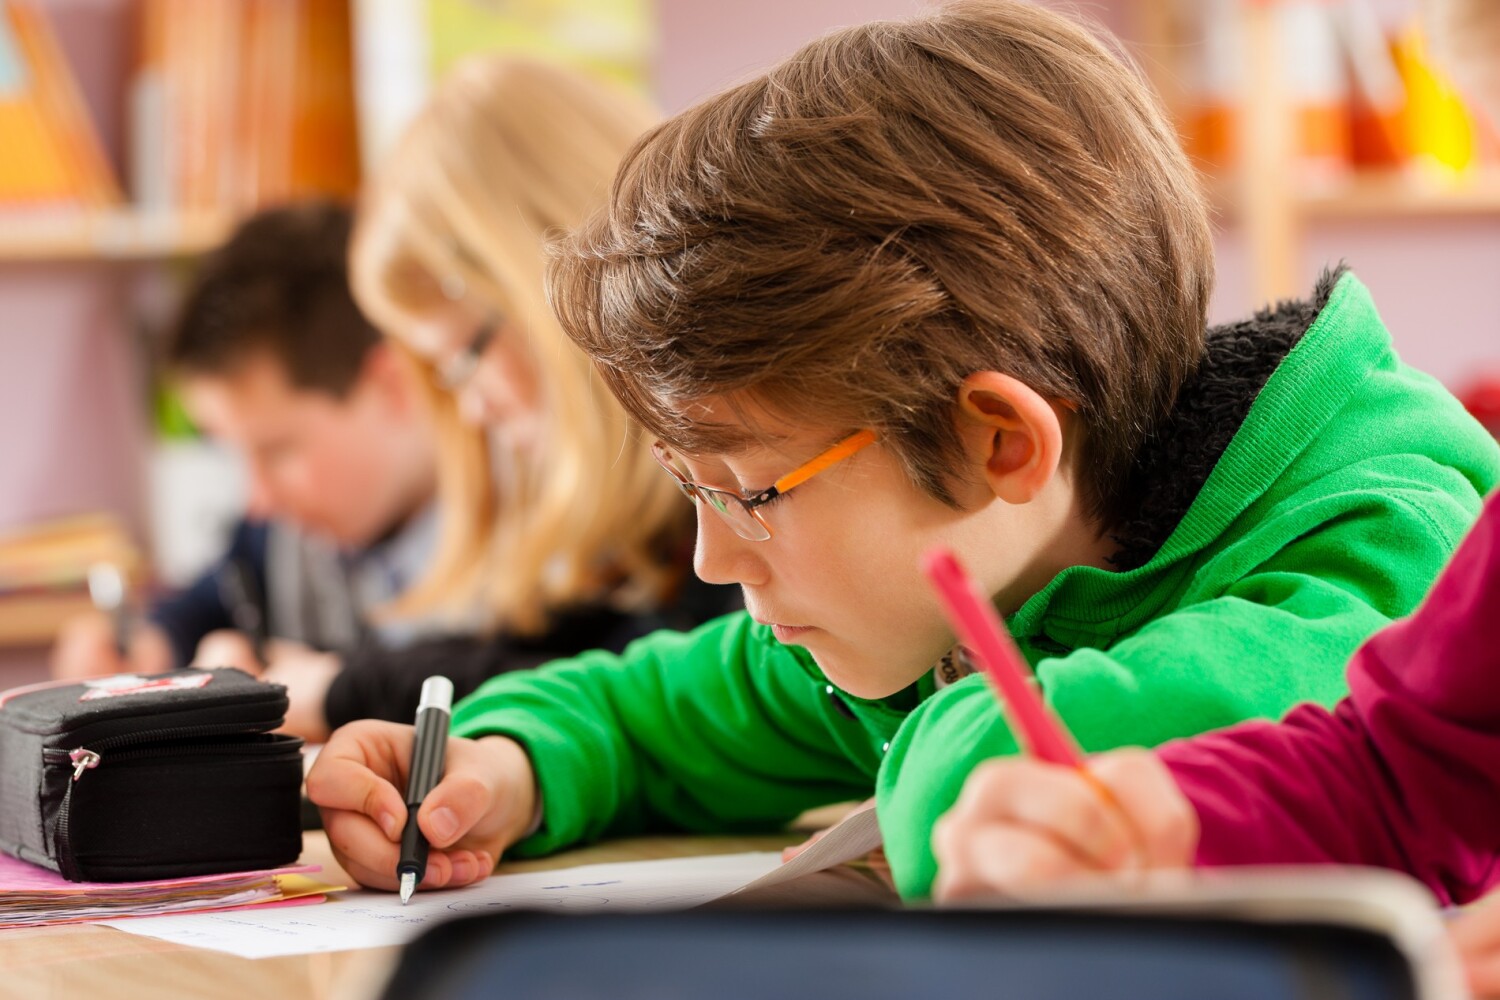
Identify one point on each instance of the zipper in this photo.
(82, 759)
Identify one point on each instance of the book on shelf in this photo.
(53, 155)
(44, 571)
(239, 104)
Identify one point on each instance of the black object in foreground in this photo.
(428, 747)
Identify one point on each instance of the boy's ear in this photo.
(386, 372)
(1010, 430)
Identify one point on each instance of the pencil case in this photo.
(128, 778)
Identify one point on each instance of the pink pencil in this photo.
(979, 628)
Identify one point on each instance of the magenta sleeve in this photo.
(1404, 773)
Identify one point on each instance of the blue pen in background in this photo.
(427, 752)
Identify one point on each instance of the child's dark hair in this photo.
(845, 238)
(278, 287)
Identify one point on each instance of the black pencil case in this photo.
(128, 778)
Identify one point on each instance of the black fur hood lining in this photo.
(1175, 462)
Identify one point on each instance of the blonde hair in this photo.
(507, 152)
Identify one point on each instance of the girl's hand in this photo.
(1020, 823)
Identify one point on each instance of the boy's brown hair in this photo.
(900, 204)
(278, 287)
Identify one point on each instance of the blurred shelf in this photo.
(28, 620)
(1402, 193)
(28, 236)
(1378, 195)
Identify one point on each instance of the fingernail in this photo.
(443, 824)
(390, 824)
(463, 871)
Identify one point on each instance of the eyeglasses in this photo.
(742, 512)
(455, 372)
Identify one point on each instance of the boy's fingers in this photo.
(1164, 822)
(486, 799)
(998, 858)
(788, 853)
(1056, 801)
(362, 848)
(1477, 929)
(1483, 973)
(1064, 806)
(445, 870)
(226, 648)
(371, 860)
(336, 784)
(454, 806)
(360, 768)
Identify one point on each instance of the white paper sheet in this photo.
(854, 836)
(372, 919)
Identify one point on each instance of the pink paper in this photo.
(21, 876)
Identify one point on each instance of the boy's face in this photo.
(345, 469)
(840, 575)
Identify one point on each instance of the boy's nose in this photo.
(721, 556)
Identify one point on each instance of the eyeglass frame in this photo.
(455, 372)
(751, 504)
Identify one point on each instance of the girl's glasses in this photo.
(455, 372)
(741, 512)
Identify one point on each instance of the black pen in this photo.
(241, 592)
(427, 750)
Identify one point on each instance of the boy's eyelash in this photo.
(775, 500)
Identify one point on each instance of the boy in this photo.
(275, 360)
(946, 278)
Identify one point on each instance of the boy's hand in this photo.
(307, 675)
(484, 803)
(1020, 823)
(86, 648)
(228, 647)
(1477, 934)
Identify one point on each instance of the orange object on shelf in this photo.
(1317, 86)
(1440, 128)
(52, 150)
(253, 100)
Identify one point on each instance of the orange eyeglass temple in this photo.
(837, 453)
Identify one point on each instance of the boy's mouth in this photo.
(788, 634)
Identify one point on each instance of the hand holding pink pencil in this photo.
(1009, 831)
(979, 628)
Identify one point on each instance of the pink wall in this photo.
(706, 46)
(72, 407)
(1437, 281)
(72, 402)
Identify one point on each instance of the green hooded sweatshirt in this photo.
(1341, 494)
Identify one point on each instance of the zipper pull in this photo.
(83, 760)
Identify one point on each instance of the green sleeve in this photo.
(1278, 634)
(719, 729)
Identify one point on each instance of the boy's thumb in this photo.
(452, 808)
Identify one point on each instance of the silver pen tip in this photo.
(408, 886)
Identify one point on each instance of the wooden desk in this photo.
(89, 962)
